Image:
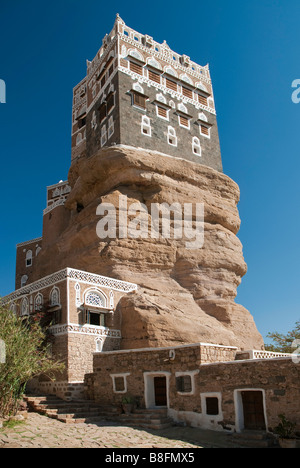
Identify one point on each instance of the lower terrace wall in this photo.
(220, 384)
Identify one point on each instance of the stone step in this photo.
(253, 439)
(87, 411)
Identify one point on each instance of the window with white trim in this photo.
(111, 127)
(162, 112)
(38, 302)
(196, 146)
(99, 346)
(146, 126)
(172, 138)
(185, 382)
(54, 297)
(24, 307)
(28, 258)
(24, 280)
(119, 383)
(205, 130)
(78, 139)
(184, 121)
(103, 135)
(211, 404)
(95, 299)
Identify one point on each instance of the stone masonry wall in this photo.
(276, 379)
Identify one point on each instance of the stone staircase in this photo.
(155, 419)
(70, 412)
(86, 411)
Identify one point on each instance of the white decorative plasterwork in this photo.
(38, 302)
(54, 297)
(33, 241)
(77, 292)
(154, 63)
(84, 330)
(77, 275)
(137, 87)
(174, 94)
(59, 202)
(111, 300)
(202, 117)
(24, 307)
(135, 54)
(258, 354)
(95, 299)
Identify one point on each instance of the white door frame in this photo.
(238, 406)
(150, 391)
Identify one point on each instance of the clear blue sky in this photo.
(252, 48)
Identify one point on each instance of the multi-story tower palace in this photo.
(140, 93)
(143, 128)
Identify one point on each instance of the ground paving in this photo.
(42, 432)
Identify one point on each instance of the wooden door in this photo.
(160, 389)
(253, 410)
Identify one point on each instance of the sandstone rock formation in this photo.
(185, 295)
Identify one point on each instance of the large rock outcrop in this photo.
(185, 295)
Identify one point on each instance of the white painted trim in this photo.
(238, 406)
(33, 241)
(192, 375)
(68, 301)
(211, 417)
(114, 376)
(149, 388)
(166, 348)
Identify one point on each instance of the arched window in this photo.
(38, 302)
(24, 307)
(95, 299)
(196, 146)
(172, 138)
(24, 280)
(99, 345)
(28, 258)
(54, 297)
(146, 126)
(78, 139)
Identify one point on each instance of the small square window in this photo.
(184, 121)
(184, 384)
(212, 406)
(139, 100)
(119, 384)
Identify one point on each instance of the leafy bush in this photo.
(26, 356)
(286, 428)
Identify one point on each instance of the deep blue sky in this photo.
(252, 48)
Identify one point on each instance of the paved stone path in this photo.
(41, 432)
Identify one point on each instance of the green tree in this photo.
(26, 356)
(283, 343)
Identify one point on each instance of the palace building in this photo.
(148, 317)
